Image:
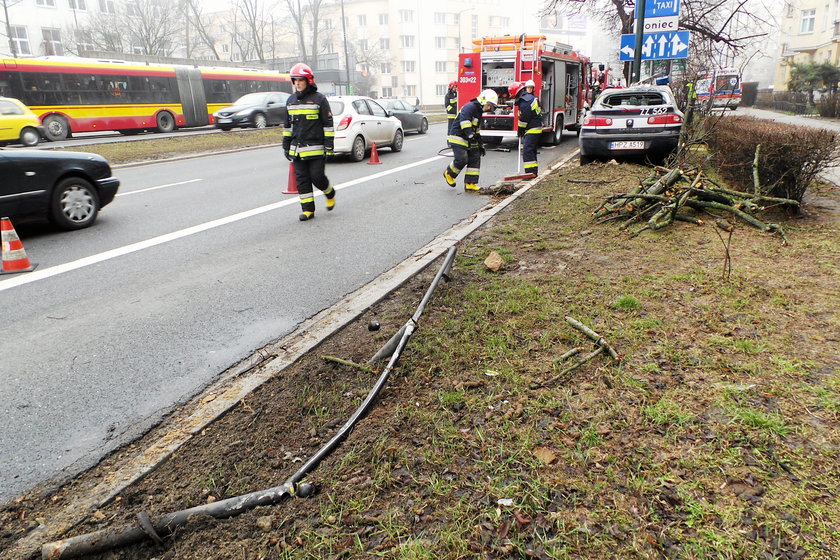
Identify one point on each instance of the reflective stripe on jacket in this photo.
(468, 122)
(450, 101)
(309, 128)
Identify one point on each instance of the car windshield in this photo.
(251, 99)
(337, 107)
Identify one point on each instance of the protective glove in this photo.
(288, 157)
(481, 150)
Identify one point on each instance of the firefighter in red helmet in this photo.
(308, 139)
(529, 122)
(450, 101)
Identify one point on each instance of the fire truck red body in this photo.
(561, 77)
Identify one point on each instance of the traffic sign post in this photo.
(656, 46)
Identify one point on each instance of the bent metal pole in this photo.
(165, 525)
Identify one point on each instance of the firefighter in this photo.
(450, 101)
(529, 122)
(308, 139)
(465, 140)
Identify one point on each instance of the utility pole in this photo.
(346, 54)
(12, 45)
(636, 73)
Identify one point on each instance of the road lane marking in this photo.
(29, 277)
(159, 187)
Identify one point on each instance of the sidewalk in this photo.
(832, 174)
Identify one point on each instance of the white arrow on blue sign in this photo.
(661, 8)
(656, 46)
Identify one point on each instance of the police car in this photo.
(640, 120)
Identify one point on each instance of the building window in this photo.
(385, 67)
(406, 16)
(440, 66)
(806, 23)
(78, 5)
(363, 44)
(406, 41)
(440, 18)
(362, 20)
(384, 43)
(52, 41)
(505, 22)
(225, 48)
(328, 24)
(394, 81)
(20, 39)
(409, 91)
(440, 42)
(441, 90)
(107, 7)
(47, 3)
(383, 19)
(387, 92)
(408, 66)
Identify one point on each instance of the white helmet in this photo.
(530, 83)
(488, 96)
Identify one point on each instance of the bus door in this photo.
(193, 101)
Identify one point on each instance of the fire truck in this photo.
(560, 74)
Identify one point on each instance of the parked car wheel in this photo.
(260, 121)
(424, 127)
(584, 160)
(165, 122)
(75, 204)
(56, 128)
(397, 143)
(357, 153)
(30, 137)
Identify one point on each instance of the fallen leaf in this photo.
(545, 455)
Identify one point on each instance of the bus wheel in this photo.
(55, 128)
(165, 122)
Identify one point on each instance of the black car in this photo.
(410, 116)
(68, 188)
(254, 110)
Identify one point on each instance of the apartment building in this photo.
(810, 32)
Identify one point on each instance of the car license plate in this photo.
(222, 120)
(628, 145)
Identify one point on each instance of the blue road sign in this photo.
(656, 46)
(661, 8)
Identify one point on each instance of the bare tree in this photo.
(150, 28)
(306, 19)
(254, 23)
(196, 20)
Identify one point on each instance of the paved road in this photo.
(195, 265)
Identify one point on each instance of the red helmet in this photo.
(301, 70)
(453, 85)
(515, 88)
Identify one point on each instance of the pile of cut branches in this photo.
(686, 196)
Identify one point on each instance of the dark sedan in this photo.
(257, 110)
(67, 188)
(412, 119)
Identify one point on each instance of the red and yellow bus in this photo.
(84, 95)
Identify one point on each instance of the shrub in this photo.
(790, 159)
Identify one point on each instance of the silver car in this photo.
(360, 122)
(634, 121)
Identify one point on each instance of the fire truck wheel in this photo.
(558, 132)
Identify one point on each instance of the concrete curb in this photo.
(241, 379)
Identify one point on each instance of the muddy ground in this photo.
(714, 435)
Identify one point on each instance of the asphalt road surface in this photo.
(196, 264)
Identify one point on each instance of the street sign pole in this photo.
(636, 73)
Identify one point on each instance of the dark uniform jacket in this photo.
(450, 101)
(309, 131)
(465, 127)
(530, 114)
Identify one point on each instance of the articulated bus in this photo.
(84, 95)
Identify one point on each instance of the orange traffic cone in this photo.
(374, 155)
(13, 259)
(291, 185)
